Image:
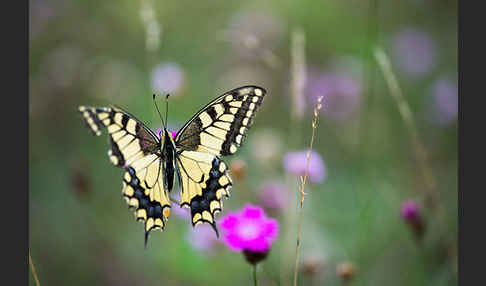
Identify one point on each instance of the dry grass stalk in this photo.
(298, 74)
(36, 278)
(302, 187)
(298, 81)
(407, 116)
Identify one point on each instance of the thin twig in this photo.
(407, 116)
(302, 188)
(36, 278)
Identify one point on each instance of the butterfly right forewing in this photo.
(135, 148)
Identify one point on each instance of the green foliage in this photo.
(94, 53)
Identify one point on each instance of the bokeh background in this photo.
(370, 216)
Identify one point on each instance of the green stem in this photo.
(255, 281)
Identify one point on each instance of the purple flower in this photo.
(202, 237)
(414, 51)
(167, 78)
(340, 90)
(249, 230)
(273, 195)
(296, 162)
(444, 101)
(410, 212)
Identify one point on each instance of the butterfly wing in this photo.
(217, 129)
(221, 126)
(204, 180)
(137, 149)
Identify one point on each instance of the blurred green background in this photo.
(121, 52)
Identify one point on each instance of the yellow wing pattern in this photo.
(137, 149)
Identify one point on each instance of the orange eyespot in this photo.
(166, 212)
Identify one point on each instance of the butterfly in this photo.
(151, 163)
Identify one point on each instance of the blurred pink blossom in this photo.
(444, 101)
(202, 237)
(296, 163)
(167, 78)
(341, 93)
(414, 51)
(273, 195)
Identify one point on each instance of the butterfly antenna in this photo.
(160, 116)
(166, 107)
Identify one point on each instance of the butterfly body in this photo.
(194, 156)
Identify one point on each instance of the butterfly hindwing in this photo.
(221, 126)
(137, 149)
(205, 181)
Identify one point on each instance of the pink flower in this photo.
(273, 195)
(202, 238)
(409, 210)
(296, 163)
(444, 101)
(415, 51)
(167, 78)
(411, 214)
(172, 133)
(341, 91)
(249, 230)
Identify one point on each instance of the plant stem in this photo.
(36, 278)
(255, 280)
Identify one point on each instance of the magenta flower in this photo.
(273, 195)
(410, 212)
(167, 78)
(172, 133)
(296, 162)
(249, 230)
